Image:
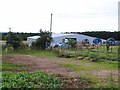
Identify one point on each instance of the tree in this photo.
(13, 40)
(44, 41)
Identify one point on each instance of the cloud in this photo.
(68, 15)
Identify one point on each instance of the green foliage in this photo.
(87, 69)
(91, 66)
(44, 41)
(110, 86)
(29, 80)
(102, 34)
(39, 53)
(12, 67)
(21, 34)
(93, 55)
(101, 54)
(99, 34)
(119, 52)
(13, 41)
(72, 43)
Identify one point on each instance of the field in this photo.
(47, 69)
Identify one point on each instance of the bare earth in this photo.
(52, 65)
(43, 64)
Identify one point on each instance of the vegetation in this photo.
(29, 80)
(9, 67)
(72, 43)
(17, 76)
(22, 35)
(42, 80)
(44, 41)
(39, 53)
(99, 34)
(92, 66)
(21, 78)
(98, 53)
(13, 41)
(102, 34)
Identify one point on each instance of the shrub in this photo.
(44, 41)
(72, 43)
(13, 40)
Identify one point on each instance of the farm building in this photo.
(32, 39)
(62, 38)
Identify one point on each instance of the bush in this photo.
(72, 43)
(44, 41)
(14, 41)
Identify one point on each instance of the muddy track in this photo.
(52, 65)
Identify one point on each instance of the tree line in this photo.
(98, 34)
(15, 42)
(22, 35)
(101, 34)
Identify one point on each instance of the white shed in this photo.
(61, 38)
(32, 39)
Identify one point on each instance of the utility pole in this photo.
(51, 23)
(51, 26)
(9, 29)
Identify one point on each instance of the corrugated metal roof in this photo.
(53, 35)
(59, 35)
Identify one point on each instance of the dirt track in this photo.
(50, 65)
(36, 64)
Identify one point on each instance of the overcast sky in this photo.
(68, 15)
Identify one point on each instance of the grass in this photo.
(86, 69)
(97, 82)
(23, 79)
(92, 66)
(39, 53)
(35, 79)
(9, 67)
(4, 41)
(101, 54)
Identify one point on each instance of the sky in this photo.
(68, 15)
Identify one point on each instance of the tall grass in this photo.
(41, 53)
